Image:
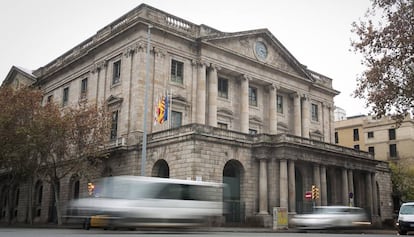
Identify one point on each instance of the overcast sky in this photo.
(316, 32)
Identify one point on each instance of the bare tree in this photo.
(385, 38)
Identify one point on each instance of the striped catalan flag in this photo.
(162, 110)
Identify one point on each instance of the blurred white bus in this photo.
(134, 201)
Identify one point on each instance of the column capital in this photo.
(294, 95)
(99, 65)
(215, 67)
(305, 97)
(273, 86)
(200, 62)
(159, 52)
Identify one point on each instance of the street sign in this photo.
(308, 194)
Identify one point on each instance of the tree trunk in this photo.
(29, 213)
(57, 201)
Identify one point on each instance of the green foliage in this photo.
(386, 41)
(402, 177)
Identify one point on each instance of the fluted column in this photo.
(292, 188)
(374, 195)
(345, 191)
(326, 123)
(212, 96)
(305, 116)
(201, 94)
(351, 186)
(324, 190)
(297, 118)
(244, 110)
(263, 202)
(283, 191)
(317, 180)
(273, 110)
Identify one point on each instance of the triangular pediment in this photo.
(19, 77)
(114, 100)
(262, 46)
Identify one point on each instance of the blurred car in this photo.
(324, 217)
(405, 221)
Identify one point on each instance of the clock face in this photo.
(261, 50)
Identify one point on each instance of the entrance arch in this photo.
(161, 169)
(232, 177)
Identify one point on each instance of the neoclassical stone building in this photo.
(243, 111)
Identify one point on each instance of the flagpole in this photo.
(144, 137)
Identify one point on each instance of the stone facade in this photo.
(243, 110)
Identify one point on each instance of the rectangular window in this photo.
(356, 134)
(315, 112)
(223, 88)
(279, 104)
(114, 125)
(116, 77)
(252, 96)
(391, 133)
(393, 150)
(84, 88)
(222, 125)
(370, 134)
(50, 99)
(65, 96)
(177, 69)
(371, 150)
(176, 119)
(336, 138)
(356, 147)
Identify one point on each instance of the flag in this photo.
(161, 110)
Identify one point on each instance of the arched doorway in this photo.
(232, 176)
(38, 198)
(161, 169)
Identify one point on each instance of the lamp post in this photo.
(144, 137)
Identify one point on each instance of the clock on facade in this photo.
(261, 50)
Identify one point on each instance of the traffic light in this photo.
(91, 188)
(315, 192)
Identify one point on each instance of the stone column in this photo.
(351, 186)
(263, 202)
(244, 103)
(283, 190)
(317, 181)
(326, 123)
(212, 96)
(331, 122)
(305, 116)
(273, 110)
(345, 191)
(297, 127)
(374, 195)
(368, 185)
(292, 188)
(201, 94)
(324, 189)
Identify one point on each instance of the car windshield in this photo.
(407, 209)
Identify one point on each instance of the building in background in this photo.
(236, 108)
(381, 137)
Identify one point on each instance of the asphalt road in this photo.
(219, 232)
